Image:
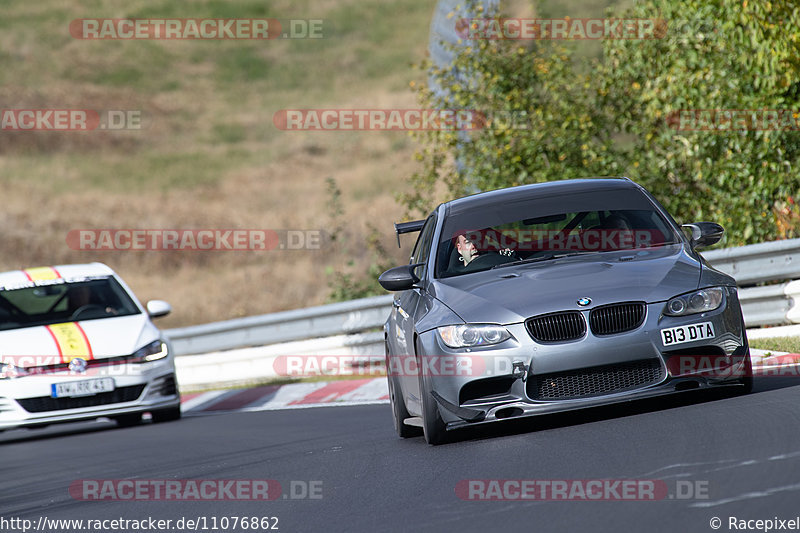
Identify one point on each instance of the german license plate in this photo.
(86, 387)
(688, 333)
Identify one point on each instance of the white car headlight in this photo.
(9, 371)
(152, 352)
(468, 335)
(695, 302)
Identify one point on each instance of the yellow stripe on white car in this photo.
(71, 341)
(41, 273)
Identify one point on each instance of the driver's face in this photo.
(466, 248)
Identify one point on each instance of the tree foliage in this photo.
(555, 115)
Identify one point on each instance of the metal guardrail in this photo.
(355, 316)
(765, 305)
(260, 364)
(768, 305)
(756, 263)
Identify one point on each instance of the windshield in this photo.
(41, 304)
(539, 229)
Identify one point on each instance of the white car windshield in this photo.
(53, 303)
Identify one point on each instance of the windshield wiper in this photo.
(546, 257)
(524, 261)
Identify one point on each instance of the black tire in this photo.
(432, 424)
(433, 427)
(166, 415)
(399, 411)
(129, 420)
(747, 380)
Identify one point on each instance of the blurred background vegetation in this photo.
(209, 156)
(612, 114)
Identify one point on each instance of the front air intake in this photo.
(617, 318)
(595, 381)
(557, 327)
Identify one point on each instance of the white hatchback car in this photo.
(76, 344)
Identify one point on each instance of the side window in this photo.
(422, 248)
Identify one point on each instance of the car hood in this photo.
(106, 337)
(512, 294)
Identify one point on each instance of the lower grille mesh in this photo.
(595, 381)
(46, 403)
(168, 386)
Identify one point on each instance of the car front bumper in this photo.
(482, 385)
(27, 401)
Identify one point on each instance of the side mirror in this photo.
(704, 233)
(157, 308)
(399, 278)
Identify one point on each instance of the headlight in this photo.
(467, 335)
(9, 371)
(152, 352)
(695, 302)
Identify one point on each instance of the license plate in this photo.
(690, 333)
(86, 387)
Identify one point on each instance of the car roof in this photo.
(539, 190)
(42, 274)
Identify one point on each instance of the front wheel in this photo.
(166, 415)
(433, 426)
(747, 380)
(399, 411)
(129, 420)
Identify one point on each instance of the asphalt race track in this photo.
(741, 453)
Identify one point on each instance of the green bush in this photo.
(576, 116)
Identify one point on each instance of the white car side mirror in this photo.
(157, 308)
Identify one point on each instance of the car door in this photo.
(407, 309)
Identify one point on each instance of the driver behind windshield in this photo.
(466, 249)
(78, 297)
(469, 256)
(83, 300)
